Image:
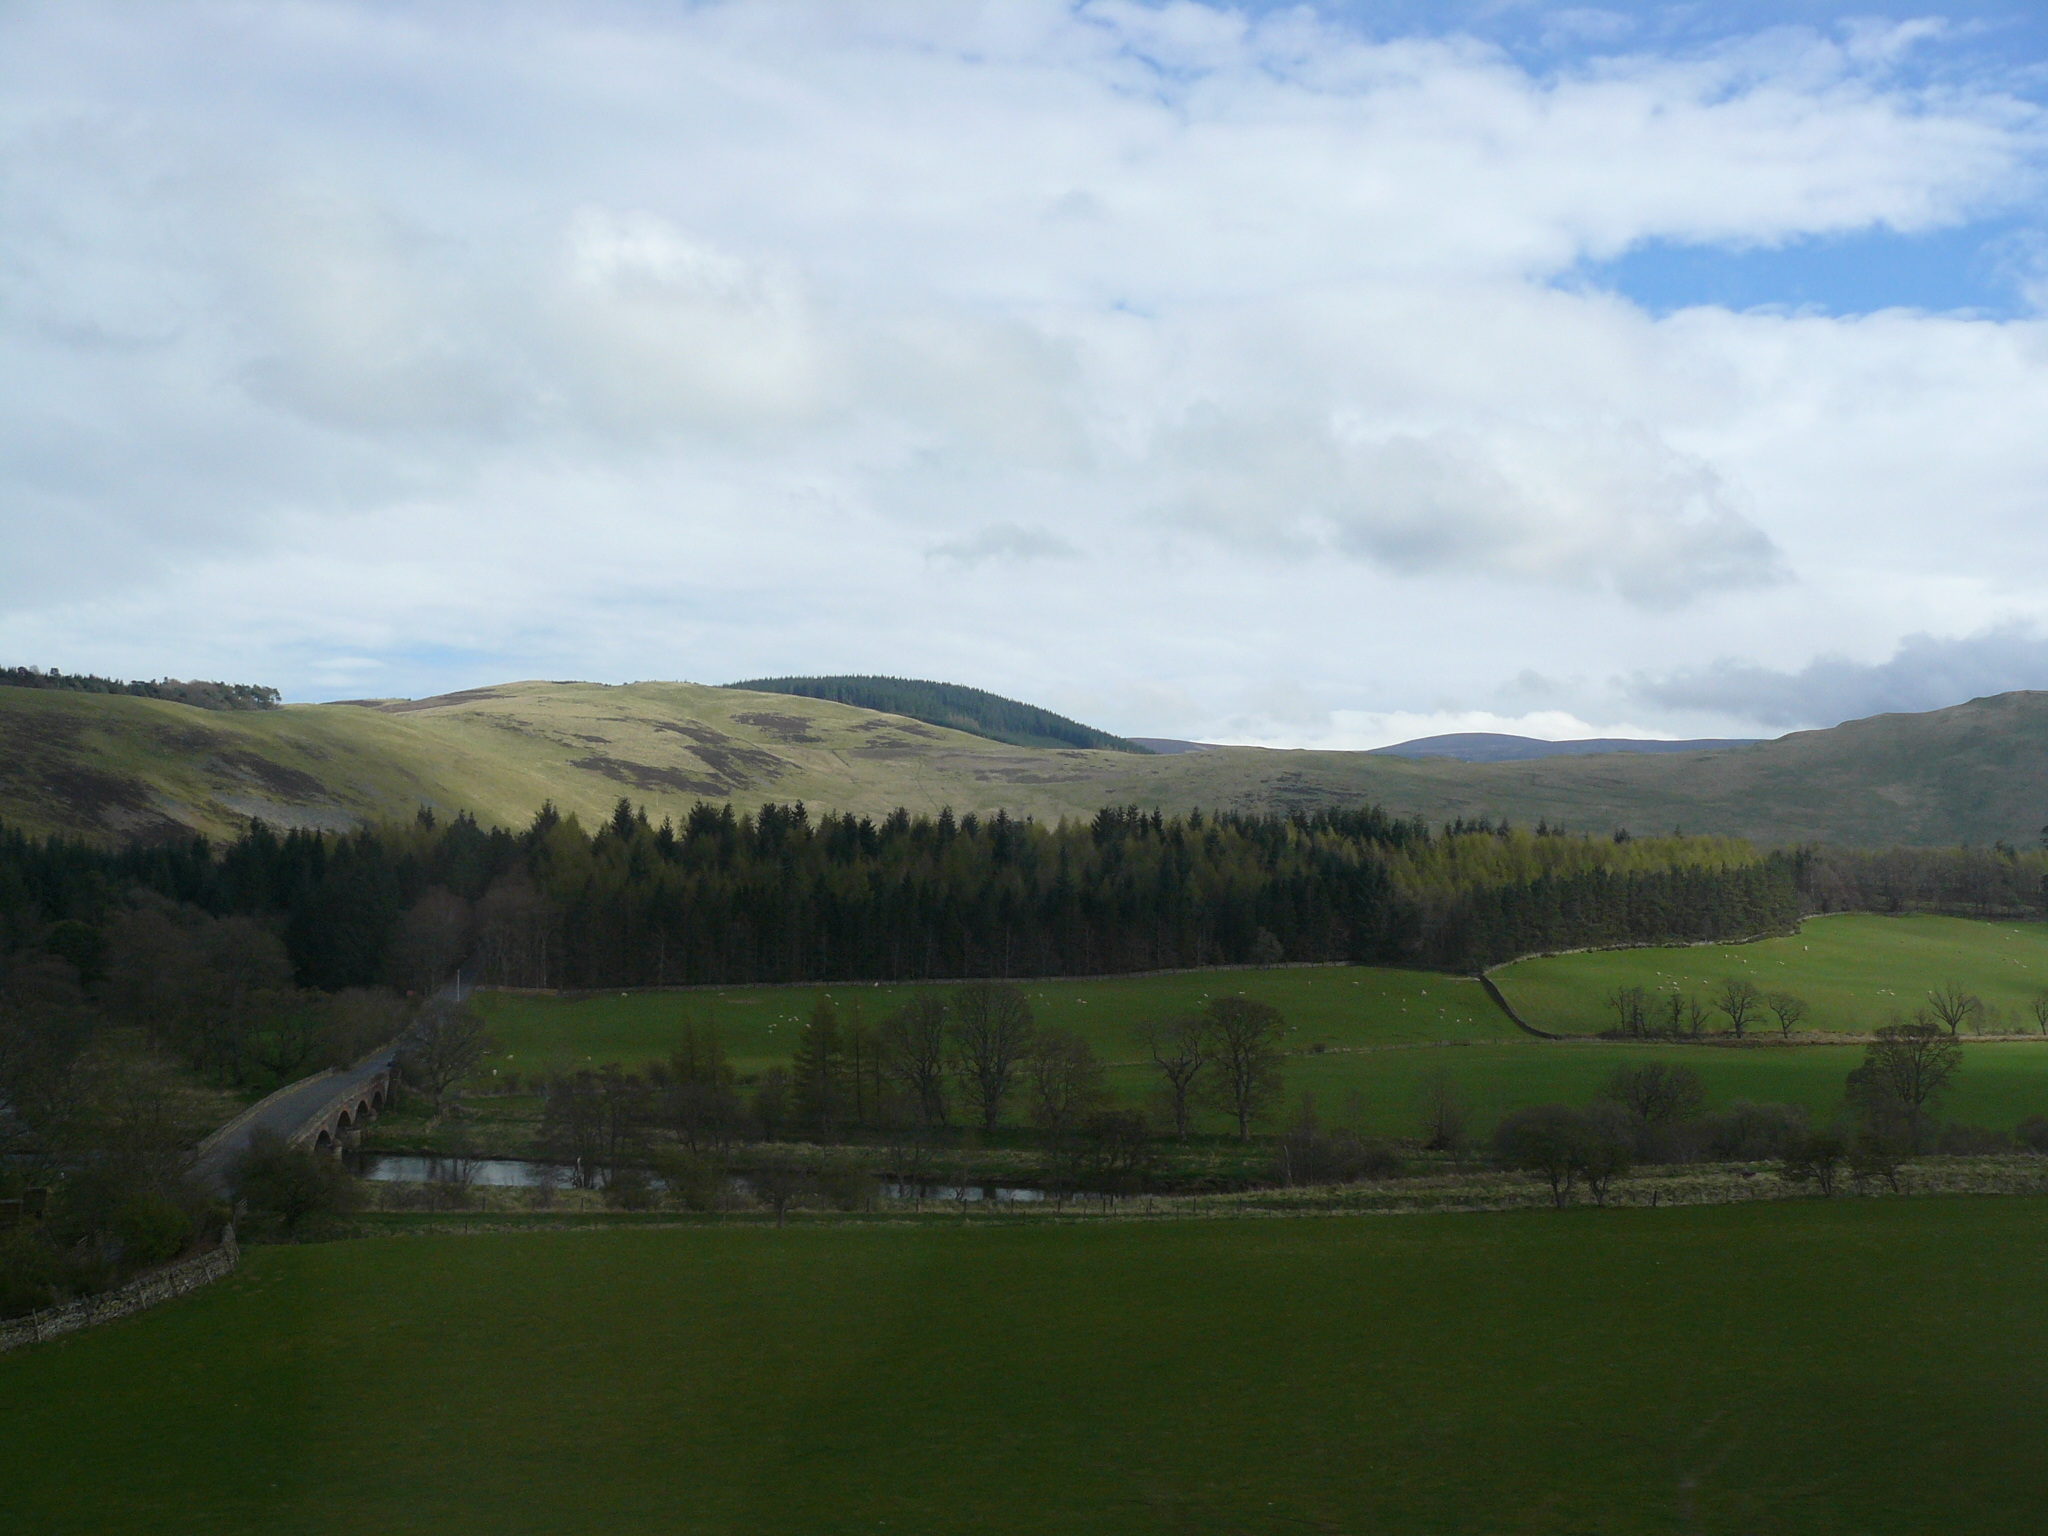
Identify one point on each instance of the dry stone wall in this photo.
(145, 1291)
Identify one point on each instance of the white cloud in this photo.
(1204, 364)
(1005, 541)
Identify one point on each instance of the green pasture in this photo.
(2001, 1082)
(1385, 1034)
(1855, 969)
(1713, 1370)
(1338, 1006)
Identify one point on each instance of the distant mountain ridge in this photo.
(1495, 747)
(953, 705)
(111, 766)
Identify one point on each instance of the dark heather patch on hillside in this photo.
(737, 763)
(907, 727)
(1022, 776)
(645, 776)
(726, 755)
(595, 741)
(702, 734)
(791, 729)
(440, 701)
(18, 732)
(275, 777)
(88, 799)
(190, 739)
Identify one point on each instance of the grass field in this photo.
(1385, 1031)
(1737, 1369)
(1854, 968)
(1337, 1006)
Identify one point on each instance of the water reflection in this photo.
(519, 1173)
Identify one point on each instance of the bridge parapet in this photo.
(355, 1101)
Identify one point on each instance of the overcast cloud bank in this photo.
(1193, 373)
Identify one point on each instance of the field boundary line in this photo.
(139, 1294)
(1514, 1018)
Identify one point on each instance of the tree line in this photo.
(228, 696)
(1655, 1113)
(969, 1060)
(780, 896)
(1999, 881)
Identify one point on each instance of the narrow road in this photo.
(288, 1112)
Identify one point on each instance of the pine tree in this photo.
(818, 1070)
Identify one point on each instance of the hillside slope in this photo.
(973, 710)
(104, 765)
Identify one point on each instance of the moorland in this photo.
(111, 766)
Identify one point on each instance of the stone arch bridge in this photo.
(323, 1111)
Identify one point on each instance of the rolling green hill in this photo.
(949, 704)
(110, 766)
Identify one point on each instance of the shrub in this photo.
(693, 1183)
(1656, 1093)
(291, 1185)
(1815, 1157)
(2033, 1133)
(1971, 1141)
(31, 1273)
(1566, 1145)
(1876, 1155)
(1747, 1132)
(628, 1189)
(846, 1186)
(152, 1230)
(1542, 1139)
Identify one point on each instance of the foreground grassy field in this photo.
(1737, 1369)
(1855, 969)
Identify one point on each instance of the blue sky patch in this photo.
(1979, 268)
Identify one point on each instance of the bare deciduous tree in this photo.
(517, 933)
(1656, 1094)
(1179, 1050)
(1814, 1158)
(1244, 1049)
(1954, 1004)
(1066, 1080)
(1905, 1069)
(443, 1046)
(1443, 1113)
(1631, 1006)
(914, 1051)
(432, 940)
(1740, 999)
(1542, 1139)
(1788, 1010)
(992, 1030)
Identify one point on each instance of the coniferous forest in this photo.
(777, 896)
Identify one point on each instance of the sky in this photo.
(1293, 375)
